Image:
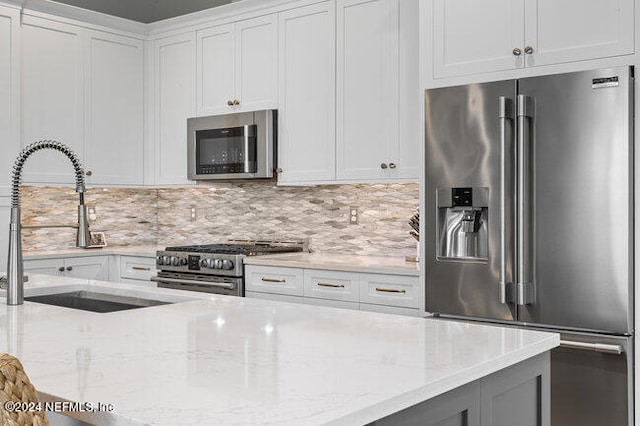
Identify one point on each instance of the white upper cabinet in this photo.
(495, 35)
(367, 92)
(9, 95)
(306, 136)
(377, 91)
(473, 36)
(216, 69)
(115, 111)
(237, 66)
(175, 100)
(83, 88)
(52, 96)
(573, 30)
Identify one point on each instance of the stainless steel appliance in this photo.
(232, 146)
(529, 221)
(214, 268)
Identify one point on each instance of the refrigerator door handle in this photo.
(525, 287)
(506, 116)
(606, 348)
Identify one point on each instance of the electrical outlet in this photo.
(353, 215)
(193, 214)
(91, 211)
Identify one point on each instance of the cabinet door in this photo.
(215, 68)
(175, 102)
(52, 96)
(44, 266)
(574, 30)
(256, 59)
(367, 87)
(256, 63)
(408, 155)
(306, 101)
(89, 268)
(9, 98)
(114, 113)
(473, 36)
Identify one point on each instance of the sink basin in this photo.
(94, 301)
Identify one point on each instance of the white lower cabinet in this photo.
(137, 270)
(275, 280)
(393, 294)
(88, 267)
(333, 285)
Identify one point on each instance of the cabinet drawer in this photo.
(331, 285)
(137, 268)
(390, 290)
(269, 279)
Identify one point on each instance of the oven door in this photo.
(200, 283)
(230, 150)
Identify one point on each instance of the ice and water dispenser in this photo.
(462, 224)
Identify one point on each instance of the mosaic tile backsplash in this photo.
(232, 211)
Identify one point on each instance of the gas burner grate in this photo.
(210, 248)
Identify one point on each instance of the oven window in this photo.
(230, 150)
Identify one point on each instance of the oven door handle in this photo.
(193, 282)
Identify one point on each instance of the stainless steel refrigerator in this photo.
(529, 222)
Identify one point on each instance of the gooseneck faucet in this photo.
(15, 267)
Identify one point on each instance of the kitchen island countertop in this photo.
(228, 360)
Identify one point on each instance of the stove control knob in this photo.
(183, 261)
(204, 263)
(175, 261)
(227, 264)
(166, 260)
(217, 263)
(158, 260)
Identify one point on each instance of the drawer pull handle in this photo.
(140, 268)
(271, 280)
(331, 285)
(390, 290)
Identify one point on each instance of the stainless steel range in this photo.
(214, 268)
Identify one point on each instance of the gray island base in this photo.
(518, 395)
(223, 360)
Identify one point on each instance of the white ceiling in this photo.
(146, 11)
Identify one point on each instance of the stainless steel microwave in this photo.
(232, 146)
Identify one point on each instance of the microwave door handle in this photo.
(245, 133)
(506, 116)
(525, 286)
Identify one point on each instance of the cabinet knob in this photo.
(392, 165)
(236, 102)
(383, 166)
(528, 50)
(88, 173)
(278, 170)
(61, 269)
(69, 268)
(230, 103)
(517, 51)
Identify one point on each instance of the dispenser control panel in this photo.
(461, 197)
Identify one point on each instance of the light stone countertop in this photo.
(236, 361)
(393, 265)
(142, 251)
